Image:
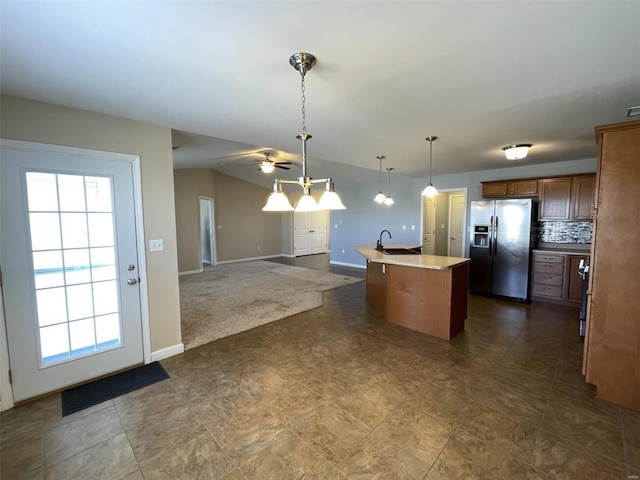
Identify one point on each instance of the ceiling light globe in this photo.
(430, 191)
(267, 167)
(379, 198)
(388, 201)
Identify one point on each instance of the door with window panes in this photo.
(70, 265)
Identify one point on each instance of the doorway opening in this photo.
(207, 233)
(444, 218)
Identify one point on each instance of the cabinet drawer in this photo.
(549, 258)
(545, 279)
(547, 290)
(552, 268)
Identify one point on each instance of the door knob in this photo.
(132, 281)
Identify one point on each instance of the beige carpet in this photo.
(234, 297)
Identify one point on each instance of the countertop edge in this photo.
(433, 262)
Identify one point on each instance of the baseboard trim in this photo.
(345, 264)
(249, 259)
(167, 352)
(190, 272)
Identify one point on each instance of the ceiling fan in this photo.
(267, 165)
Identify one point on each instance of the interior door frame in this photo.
(465, 192)
(212, 239)
(464, 218)
(6, 391)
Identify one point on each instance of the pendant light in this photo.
(389, 201)
(277, 201)
(380, 196)
(430, 190)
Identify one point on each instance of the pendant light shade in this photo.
(303, 62)
(330, 200)
(430, 190)
(277, 201)
(306, 204)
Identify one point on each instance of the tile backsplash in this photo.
(565, 232)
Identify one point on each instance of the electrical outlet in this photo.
(404, 227)
(413, 227)
(156, 245)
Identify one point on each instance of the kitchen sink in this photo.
(402, 251)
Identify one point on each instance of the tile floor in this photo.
(336, 393)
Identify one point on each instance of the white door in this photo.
(70, 266)
(456, 224)
(319, 235)
(207, 240)
(302, 234)
(429, 229)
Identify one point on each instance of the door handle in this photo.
(132, 281)
(495, 245)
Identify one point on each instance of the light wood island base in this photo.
(426, 293)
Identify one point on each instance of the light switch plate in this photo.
(156, 245)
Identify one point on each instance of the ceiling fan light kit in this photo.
(516, 152)
(430, 190)
(277, 201)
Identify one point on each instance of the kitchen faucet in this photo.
(379, 244)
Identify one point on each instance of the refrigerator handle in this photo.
(495, 245)
(490, 234)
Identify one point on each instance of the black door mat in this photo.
(90, 394)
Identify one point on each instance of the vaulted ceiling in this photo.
(479, 75)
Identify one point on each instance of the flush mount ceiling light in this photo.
(430, 190)
(633, 111)
(380, 196)
(389, 201)
(278, 202)
(516, 152)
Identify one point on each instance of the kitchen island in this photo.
(426, 293)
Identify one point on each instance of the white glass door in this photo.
(69, 264)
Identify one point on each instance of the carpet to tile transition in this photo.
(234, 297)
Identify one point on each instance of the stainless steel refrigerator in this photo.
(502, 236)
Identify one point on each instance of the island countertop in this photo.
(435, 262)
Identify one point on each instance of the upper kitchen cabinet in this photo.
(567, 198)
(527, 187)
(583, 197)
(612, 349)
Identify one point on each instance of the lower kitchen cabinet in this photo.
(556, 279)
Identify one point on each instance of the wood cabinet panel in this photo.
(574, 291)
(494, 189)
(510, 188)
(583, 197)
(612, 349)
(555, 199)
(376, 285)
